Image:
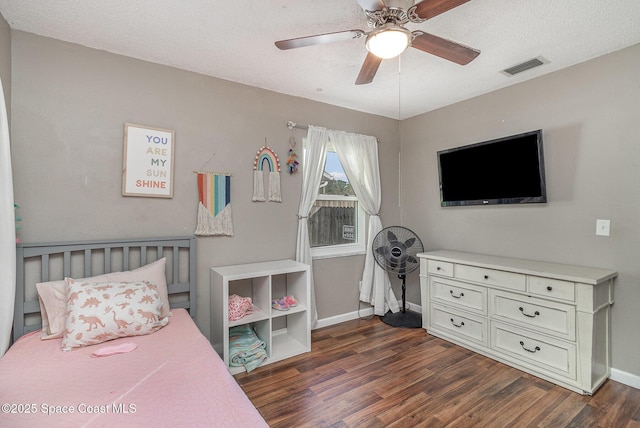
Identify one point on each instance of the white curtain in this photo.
(358, 155)
(312, 168)
(7, 232)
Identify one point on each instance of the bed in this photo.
(166, 376)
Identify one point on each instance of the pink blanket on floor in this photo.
(172, 378)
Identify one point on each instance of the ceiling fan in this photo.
(388, 38)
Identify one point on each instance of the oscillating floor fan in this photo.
(395, 249)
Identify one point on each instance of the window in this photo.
(336, 221)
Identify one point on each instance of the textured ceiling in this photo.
(234, 40)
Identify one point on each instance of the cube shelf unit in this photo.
(285, 333)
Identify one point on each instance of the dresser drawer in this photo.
(464, 326)
(544, 352)
(437, 267)
(547, 317)
(492, 277)
(552, 288)
(459, 294)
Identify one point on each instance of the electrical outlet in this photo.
(603, 227)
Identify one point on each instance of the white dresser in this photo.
(547, 319)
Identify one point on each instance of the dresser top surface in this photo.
(573, 273)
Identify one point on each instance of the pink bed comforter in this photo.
(173, 378)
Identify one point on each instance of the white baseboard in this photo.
(367, 312)
(326, 322)
(412, 307)
(628, 379)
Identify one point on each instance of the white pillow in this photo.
(102, 311)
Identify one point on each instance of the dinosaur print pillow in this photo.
(52, 295)
(102, 311)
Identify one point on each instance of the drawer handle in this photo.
(457, 325)
(486, 277)
(549, 288)
(535, 314)
(533, 351)
(458, 296)
(438, 268)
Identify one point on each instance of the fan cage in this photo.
(395, 249)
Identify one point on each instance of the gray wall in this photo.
(590, 117)
(5, 63)
(70, 104)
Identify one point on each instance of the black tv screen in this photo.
(507, 170)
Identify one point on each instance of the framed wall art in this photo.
(147, 161)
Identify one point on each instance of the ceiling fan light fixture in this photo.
(388, 41)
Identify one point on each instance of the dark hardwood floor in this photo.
(363, 373)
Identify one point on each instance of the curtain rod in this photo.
(292, 125)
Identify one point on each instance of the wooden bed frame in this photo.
(41, 262)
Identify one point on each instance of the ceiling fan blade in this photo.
(369, 69)
(444, 48)
(427, 9)
(371, 4)
(319, 39)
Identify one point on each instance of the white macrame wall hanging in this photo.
(266, 156)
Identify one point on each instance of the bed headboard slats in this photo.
(42, 262)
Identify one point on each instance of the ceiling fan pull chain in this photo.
(399, 87)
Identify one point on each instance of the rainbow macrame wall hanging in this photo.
(214, 209)
(266, 156)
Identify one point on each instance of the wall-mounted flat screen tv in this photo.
(507, 170)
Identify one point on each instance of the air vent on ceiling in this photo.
(527, 65)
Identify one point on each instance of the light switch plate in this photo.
(603, 227)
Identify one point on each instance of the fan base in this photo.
(408, 319)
